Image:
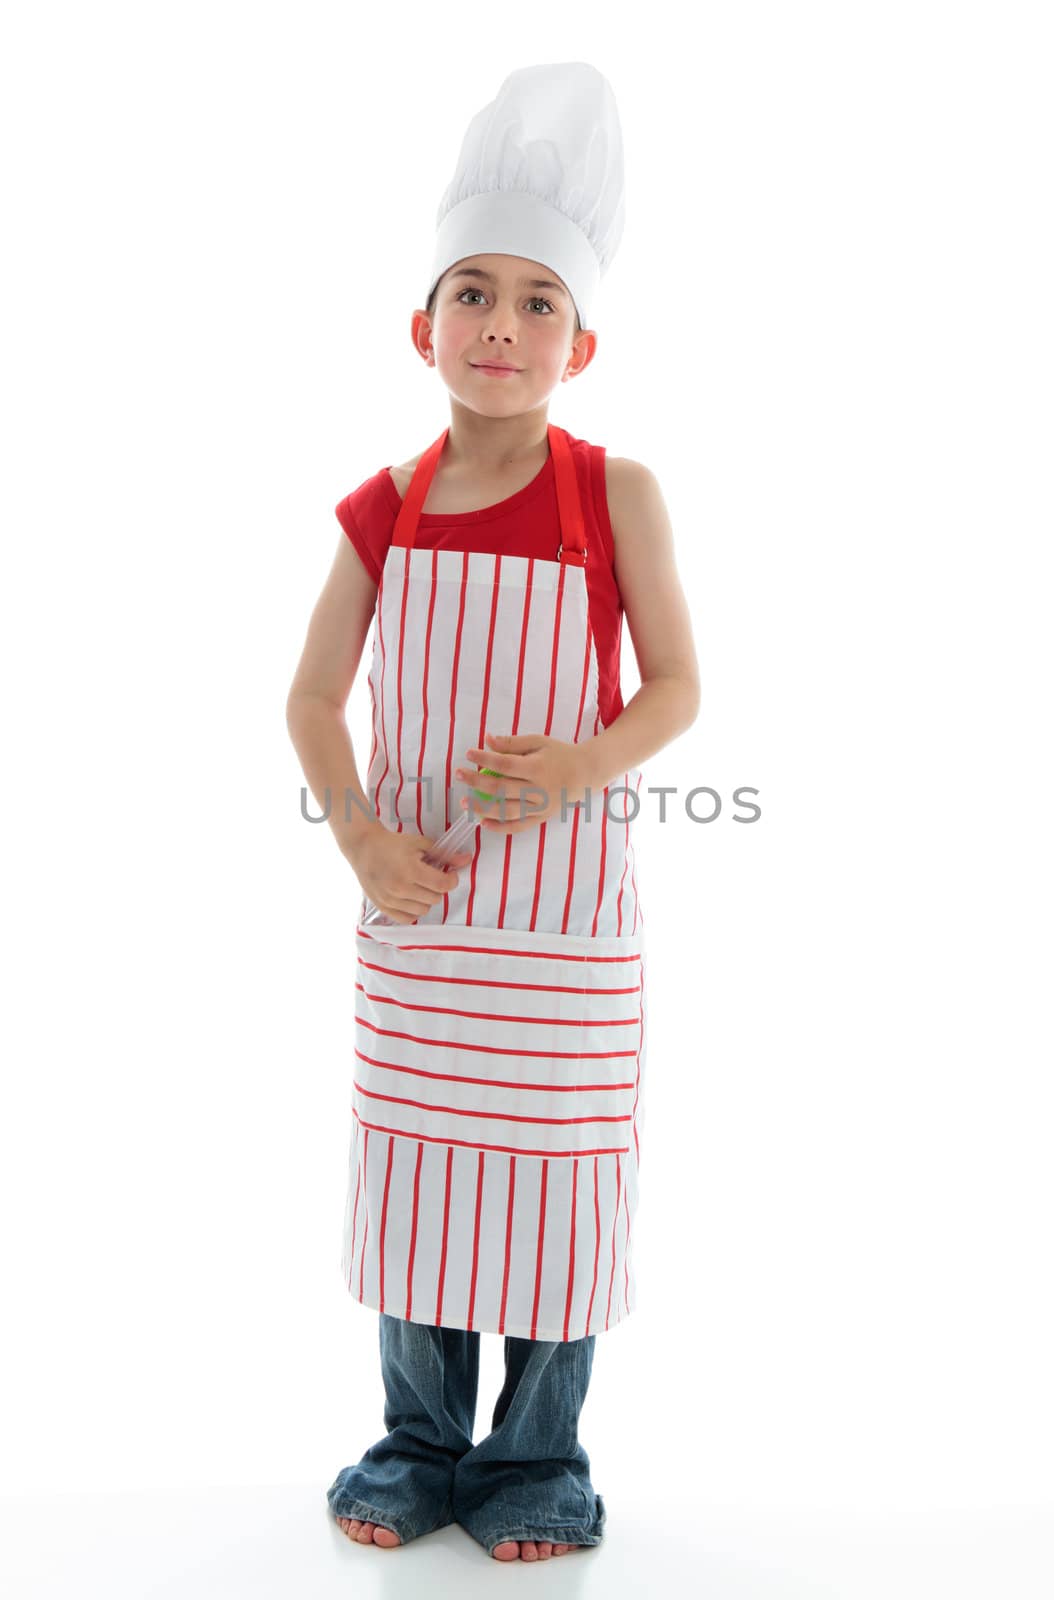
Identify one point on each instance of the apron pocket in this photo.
(499, 1039)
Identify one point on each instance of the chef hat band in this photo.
(509, 224)
(540, 175)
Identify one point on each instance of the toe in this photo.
(528, 1550)
(545, 1550)
(508, 1550)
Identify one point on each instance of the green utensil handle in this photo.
(481, 794)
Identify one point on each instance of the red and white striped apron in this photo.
(500, 1038)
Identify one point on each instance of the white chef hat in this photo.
(540, 175)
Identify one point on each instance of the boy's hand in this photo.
(537, 775)
(393, 874)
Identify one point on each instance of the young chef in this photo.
(499, 1055)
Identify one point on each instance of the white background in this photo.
(826, 332)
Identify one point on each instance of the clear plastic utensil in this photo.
(453, 842)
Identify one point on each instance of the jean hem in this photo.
(537, 1534)
(362, 1511)
(581, 1533)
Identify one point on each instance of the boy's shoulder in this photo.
(630, 485)
(625, 473)
(402, 475)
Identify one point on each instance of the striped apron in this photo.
(500, 1038)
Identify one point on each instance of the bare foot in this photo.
(529, 1550)
(368, 1532)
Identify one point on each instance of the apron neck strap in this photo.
(572, 550)
(410, 510)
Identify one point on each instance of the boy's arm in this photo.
(657, 616)
(319, 692)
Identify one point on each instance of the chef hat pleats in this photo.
(540, 175)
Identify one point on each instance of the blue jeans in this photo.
(528, 1479)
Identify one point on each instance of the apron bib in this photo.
(500, 1038)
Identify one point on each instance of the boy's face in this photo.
(506, 309)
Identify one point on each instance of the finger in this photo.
(441, 880)
(463, 858)
(513, 744)
(530, 785)
(433, 876)
(515, 792)
(486, 782)
(404, 912)
(477, 807)
(495, 759)
(401, 916)
(410, 901)
(511, 808)
(525, 803)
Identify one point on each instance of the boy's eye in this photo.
(535, 298)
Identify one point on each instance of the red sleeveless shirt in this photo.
(525, 524)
